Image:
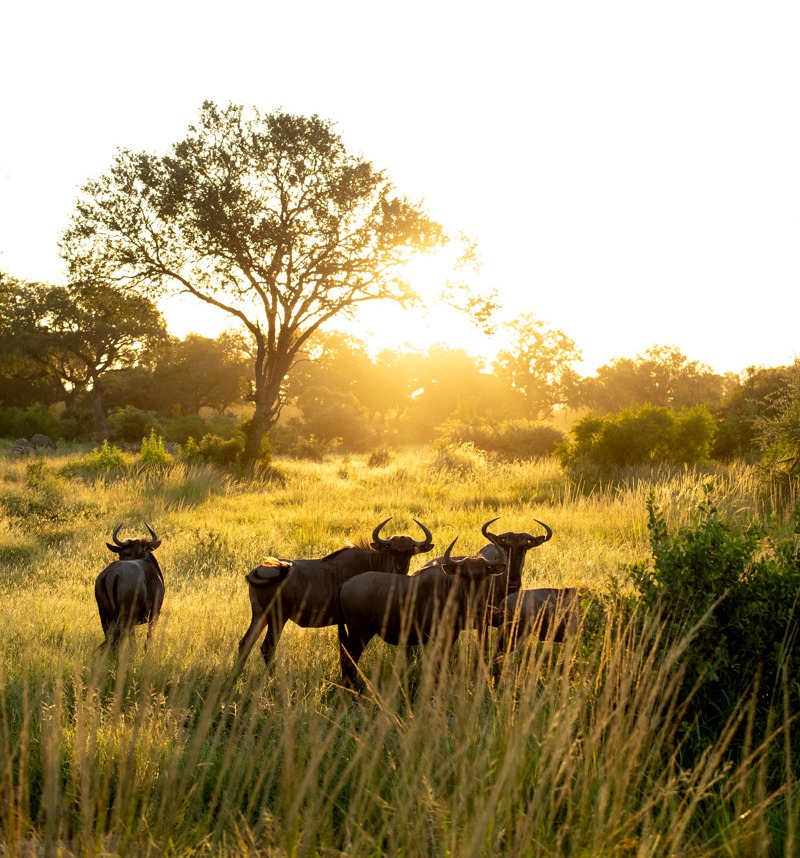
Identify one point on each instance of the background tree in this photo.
(778, 433)
(266, 217)
(538, 365)
(82, 333)
(757, 395)
(660, 376)
(24, 381)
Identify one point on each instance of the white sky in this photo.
(631, 170)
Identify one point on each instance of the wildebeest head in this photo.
(133, 549)
(519, 541)
(474, 568)
(401, 548)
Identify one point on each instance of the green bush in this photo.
(646, 435)
(104, 460)
(153, 453)
(742, 589)
(44, 499)
(508, 439)
(23, 423)
(195, 426)
(212, 448)
(132, 424)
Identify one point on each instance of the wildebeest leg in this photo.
(271, 638)
(257, 625)
(350, 650)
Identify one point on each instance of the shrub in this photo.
(100, 460)
(196, 426)
(45, 499)
(153, 454)
(379, 457)
(646, 435)
(132, 424)
(508, 439)
(23, 423)
(212, 448)
(314, 448)
(462, 459)
(742, 589)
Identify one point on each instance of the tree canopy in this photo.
(265, 216)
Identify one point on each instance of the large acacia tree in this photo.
(265, 216)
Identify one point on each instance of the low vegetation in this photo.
(667, 727)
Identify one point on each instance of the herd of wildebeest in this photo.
(366, 591)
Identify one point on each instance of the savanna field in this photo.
(581, 749)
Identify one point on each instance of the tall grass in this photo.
(165, 750)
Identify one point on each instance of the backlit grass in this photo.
(165, 750)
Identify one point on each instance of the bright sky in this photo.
(631, 170)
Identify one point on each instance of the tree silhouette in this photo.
(266, 217)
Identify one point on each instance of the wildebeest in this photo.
(129, 591)
(547, 613)
(516, 546)
(438, 602)
(306, 591)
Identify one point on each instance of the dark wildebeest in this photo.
(129, 591)
(438, 602)
(545, 613)
(306, 591)
(514, 546)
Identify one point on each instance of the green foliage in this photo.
(44, 499)
(314, 448)
(220, 451)
(132, 424)
(180, 429)
(102, 460)
(508, 439)
(25, 422)
(739, 591)
(778, 435)
(153, 454)
(641, 436)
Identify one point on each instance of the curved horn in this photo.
(114, 536)
(484, 530)
(446, 558)
(376, 533)
(152, 532)
(549, 531)
(428, 536)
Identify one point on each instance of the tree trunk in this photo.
(100, 428)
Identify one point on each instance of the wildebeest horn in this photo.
(549, 531)
(114, 536)
(484, 530)
(155, 541)
(446, 558)
(428, 536)
(376, 533)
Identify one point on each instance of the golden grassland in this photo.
(165, 750)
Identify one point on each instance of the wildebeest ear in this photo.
(115, 548)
